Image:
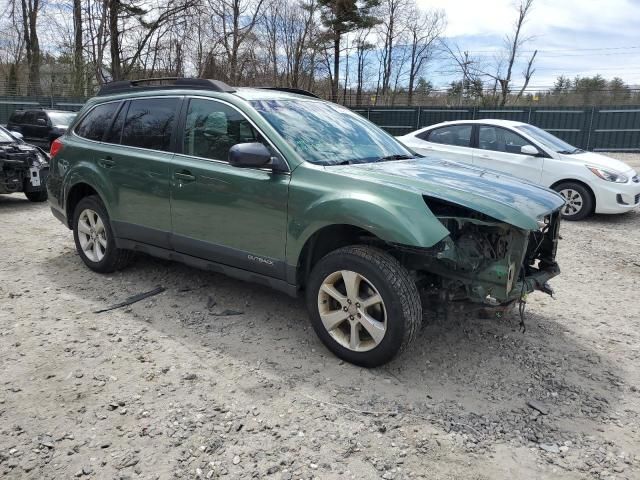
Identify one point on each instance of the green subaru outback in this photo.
(277, 187)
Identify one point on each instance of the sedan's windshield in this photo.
(62, 119)
(548, 140)
(328, 134)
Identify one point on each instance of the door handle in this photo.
(484, 156)
(106, 162)
(184, 176)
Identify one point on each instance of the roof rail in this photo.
(123, 86)
(298, 91)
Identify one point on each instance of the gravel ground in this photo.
(218, 378)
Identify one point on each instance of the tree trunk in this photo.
(78, 70)
(32, 45)
(336, 67)
(116, 64)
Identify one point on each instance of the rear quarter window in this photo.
(94, 125)
(16, 117)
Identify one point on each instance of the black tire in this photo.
(114, 258)
(392, 281)
(39, 196)
(584, 197)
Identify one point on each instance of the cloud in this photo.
(571, 35)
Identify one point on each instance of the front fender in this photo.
(405, 220)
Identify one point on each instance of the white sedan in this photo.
(588, 181)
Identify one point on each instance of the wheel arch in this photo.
(324, 241)
(77, 192)
(580, 182)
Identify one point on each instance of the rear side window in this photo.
(458, 135)
(149, 123)
(97, 122)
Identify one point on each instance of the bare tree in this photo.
(513, 43)
(424, 30)
(30, 10)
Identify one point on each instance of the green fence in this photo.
(591, 128)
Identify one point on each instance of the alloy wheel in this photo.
(352, 310)
(92, 235)
(573, 201)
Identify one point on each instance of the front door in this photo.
(234, 216)
(500, 149)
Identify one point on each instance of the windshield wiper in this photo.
(396, 157)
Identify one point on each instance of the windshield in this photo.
(62, 118)
(5, 137)
(548, 140)
(328, 134)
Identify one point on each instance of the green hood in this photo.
(497, 195)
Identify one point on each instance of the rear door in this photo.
(500, 149)
(234, 216)
(40, 131)
(451, 142)
(131, 144)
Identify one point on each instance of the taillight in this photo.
(56, 147)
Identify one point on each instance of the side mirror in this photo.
(18, 135)
(249, 155)
(529, 150)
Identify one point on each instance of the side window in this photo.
(97, 121)
(29, 118)
(500, 140)
(458, 135)
(17, 117)
(150, 123)
(212, 128)
(42, 119)
(513, 142)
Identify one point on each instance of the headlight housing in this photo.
(608, 175)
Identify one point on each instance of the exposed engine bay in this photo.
(23, 168)
(484, 261)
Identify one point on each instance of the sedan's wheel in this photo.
(352, 311)
(94, 238)
(578, 201)
(364, 305)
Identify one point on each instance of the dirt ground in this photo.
(219, 378)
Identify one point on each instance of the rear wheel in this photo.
(363, 304)
(94, 238)
(39, 196)
(578, 200)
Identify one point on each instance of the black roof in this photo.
(164, 83)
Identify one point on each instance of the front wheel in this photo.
(94, 238)
(363, 304)
(578, 200)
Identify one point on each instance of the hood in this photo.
(499, 196)
(599, 160)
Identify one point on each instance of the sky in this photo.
(573, 37)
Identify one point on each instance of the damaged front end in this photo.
(484, 262)
(23, 168)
